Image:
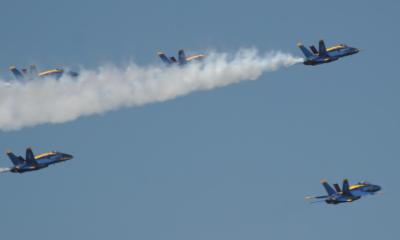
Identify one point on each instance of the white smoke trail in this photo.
(3, 170)
(110, 87)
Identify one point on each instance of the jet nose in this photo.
(374, 188)
(67, 156)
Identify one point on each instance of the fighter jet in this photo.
(32, 73)
(182, 59)
(326, 55)
(34, 162)
(348, 193)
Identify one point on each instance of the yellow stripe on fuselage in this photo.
(50, 72)
(194, 57)
(47, 154)
(334, 48)
(352, 187)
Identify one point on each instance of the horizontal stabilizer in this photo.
(316, 197)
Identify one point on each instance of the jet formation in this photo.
(336, 195)
(348, 193)
(33, 162)
(325, 55)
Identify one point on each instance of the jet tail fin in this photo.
(322, 49)
(30, 157)
(182, 57)
(14, 159)
(328, 188)
(72, 74)
(164, 58)
(346, 187)
(17, 74)
(337, 187)
(173, 59)
(314, 50)
(33, 72)
(305, 51)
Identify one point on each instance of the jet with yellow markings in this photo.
(33, 162)
(348, 193)
(182, 58)
(325, 55)
(33, 73)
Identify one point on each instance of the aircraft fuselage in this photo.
(334, 54)
(43, 161)
(357, 191)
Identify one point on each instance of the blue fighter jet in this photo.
(32, 162)
(326, 55)
(348, 193)
(32, 73)
(182, 59)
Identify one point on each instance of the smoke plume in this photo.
(24, 104)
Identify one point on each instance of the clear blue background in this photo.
(232, 163)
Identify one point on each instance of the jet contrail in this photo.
(26, 104)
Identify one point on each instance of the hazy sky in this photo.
(232, 163)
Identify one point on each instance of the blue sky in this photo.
(232, 163)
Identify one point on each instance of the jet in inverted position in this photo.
(182, 59)
(348, 193)
(325, 55)
(32, 73)
(33, 162)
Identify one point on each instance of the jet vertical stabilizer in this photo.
(305, 51)
(328, 188)
(182, 57)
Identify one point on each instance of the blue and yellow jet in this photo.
(34, 162)
(182, 59)
(32, 73)
(348, 193)
(326, 55)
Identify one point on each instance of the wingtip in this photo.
(323, 181)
